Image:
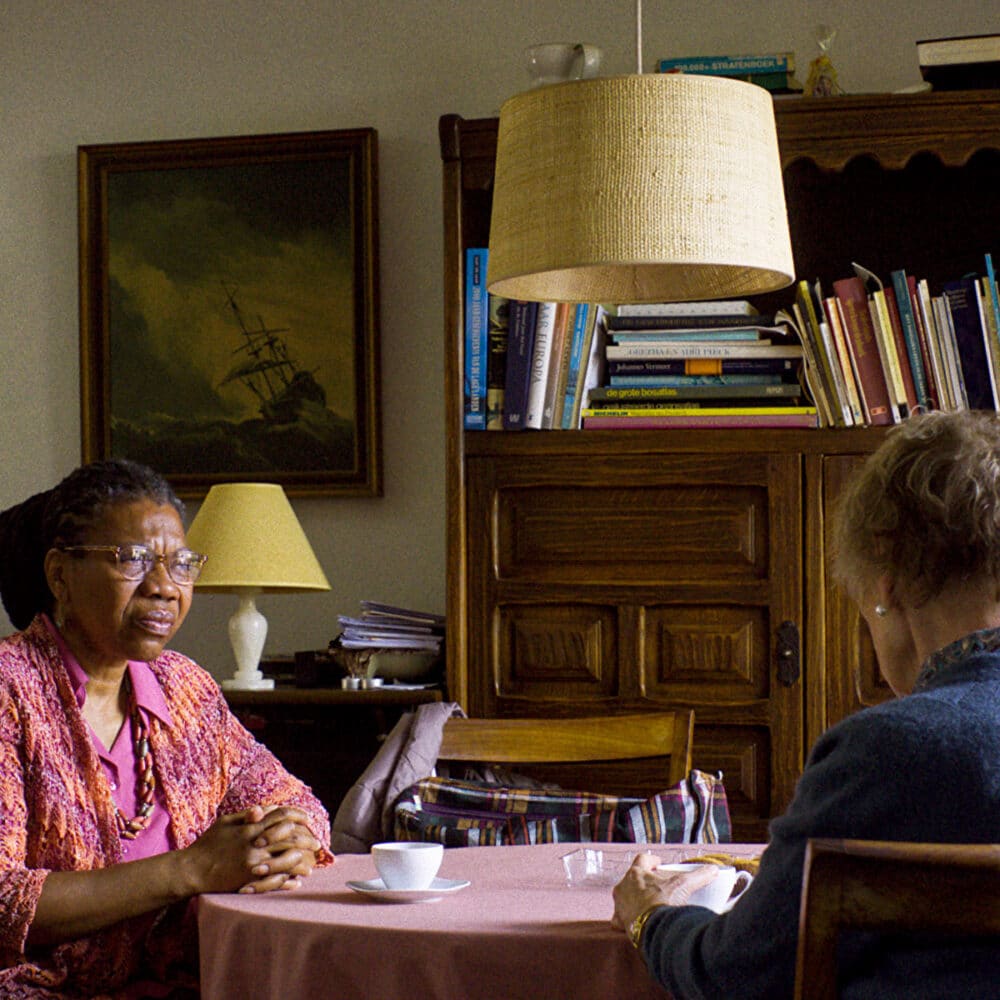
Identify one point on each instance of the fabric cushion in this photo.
(468, 813)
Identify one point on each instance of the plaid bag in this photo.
(470, 813)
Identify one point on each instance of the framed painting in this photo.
(229, 314)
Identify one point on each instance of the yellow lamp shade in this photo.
(253, 539)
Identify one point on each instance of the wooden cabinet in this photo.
(605, 570)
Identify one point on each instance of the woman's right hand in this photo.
(259, 850)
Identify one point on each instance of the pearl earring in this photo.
(881, 610)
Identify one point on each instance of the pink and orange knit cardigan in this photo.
(57, 814)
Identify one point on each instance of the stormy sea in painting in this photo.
(317, 440)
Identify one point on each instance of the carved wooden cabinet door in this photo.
(659, 579)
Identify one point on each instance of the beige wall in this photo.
(95, 71)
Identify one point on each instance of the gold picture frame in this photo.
(229, 311)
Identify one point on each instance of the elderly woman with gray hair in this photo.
(918, 549)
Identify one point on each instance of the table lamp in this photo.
(254, 544)
(656, 187)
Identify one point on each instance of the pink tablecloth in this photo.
(518, 931)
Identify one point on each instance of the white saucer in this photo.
(375, 888)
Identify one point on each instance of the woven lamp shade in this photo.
(253, 540)
(643, 188)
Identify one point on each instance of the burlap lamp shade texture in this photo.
(641, 188)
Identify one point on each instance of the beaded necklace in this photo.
(129, 829)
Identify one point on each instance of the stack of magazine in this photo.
(383, 626)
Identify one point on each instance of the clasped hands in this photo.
(643, 886)
(261, 849)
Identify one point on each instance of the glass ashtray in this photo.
(594, 866)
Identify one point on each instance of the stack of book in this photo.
(773, 71)
(698, 364)
(969, 62)
(878, 351)
(528, 365)
(383, 626)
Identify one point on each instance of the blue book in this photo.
(776, 62)
(579, 335)
(520, 349)
(970, 339)
(994, 297)
(904, 305)
(476, 338)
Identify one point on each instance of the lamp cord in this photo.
(638, 36)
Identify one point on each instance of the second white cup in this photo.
(716, 895)
(406, 864)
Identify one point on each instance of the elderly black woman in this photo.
(918, 550)
(126, 785)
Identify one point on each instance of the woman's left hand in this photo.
(291, 846)
(643, 886)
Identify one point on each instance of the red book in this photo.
(858, 327)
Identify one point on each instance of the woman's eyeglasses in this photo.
(135, 562)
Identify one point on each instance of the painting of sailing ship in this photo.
(230, 311)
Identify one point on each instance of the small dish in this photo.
(375, 888)
(591, 866)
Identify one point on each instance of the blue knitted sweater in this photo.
(925, 767)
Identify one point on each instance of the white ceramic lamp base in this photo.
(247, 632)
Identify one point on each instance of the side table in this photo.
(325, 736)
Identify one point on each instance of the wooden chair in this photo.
(576, 740)
(892, 886)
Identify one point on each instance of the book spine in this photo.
(689, 322)
(783, 390)
(681, 381)
(683, 410)
(545, 323)
(476, 337)
(924, 307)
(911, 338)
(882, 325)
(776, 62)
(989, 335)
(926, 356)
(861, 334)
(705, 366)
(969, 339)
(594, 372)
(811, 371)
(582, 320)
(701, 349)
(496, 361)
(725, 307)
(821, 359)
(690, 422)
(835, 324)
(555, 386)
(946, 329)
(520, 348)
(724, 335)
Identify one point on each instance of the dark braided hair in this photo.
(61, 516)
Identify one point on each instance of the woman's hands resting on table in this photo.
(643, 887)
(260, 850)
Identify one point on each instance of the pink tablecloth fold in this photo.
(518, 931)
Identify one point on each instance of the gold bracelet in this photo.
(638, 925)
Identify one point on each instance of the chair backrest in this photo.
(885, 885)
(574, 740)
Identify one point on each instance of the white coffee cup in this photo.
(716, 895)
(554, 62)
(407, 865)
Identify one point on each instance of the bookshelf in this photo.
(593, 571)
